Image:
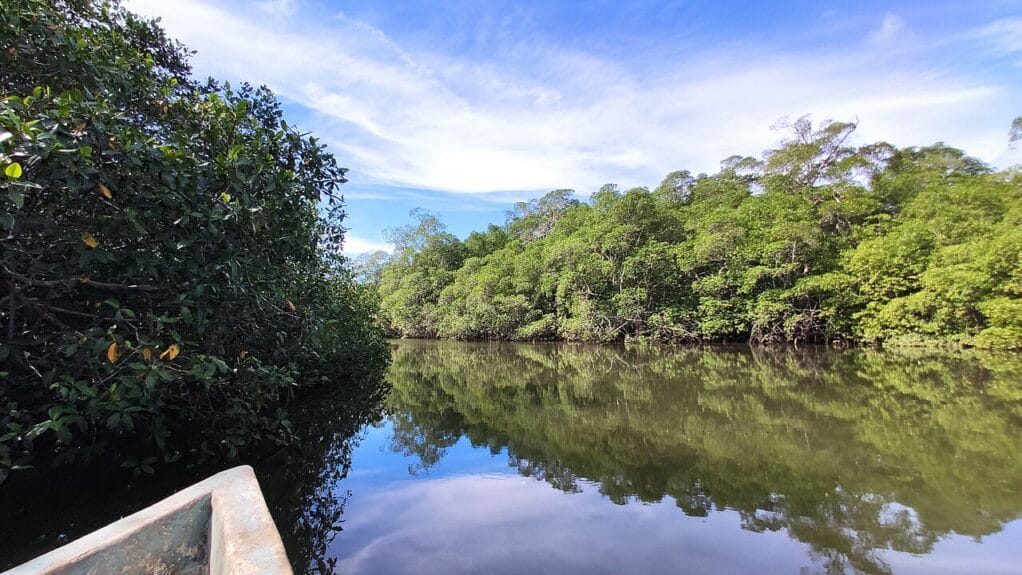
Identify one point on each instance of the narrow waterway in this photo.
(513, 458)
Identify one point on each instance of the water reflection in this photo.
(504, 524)
(302, 484)
(504, 458)
(852, 454)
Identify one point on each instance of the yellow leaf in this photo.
(13, 171)
(78, 129)
(291, 306)
(147, 354)
(171, 352)
(111, 353)
(225, 197)
(106, 192)
(90, 240)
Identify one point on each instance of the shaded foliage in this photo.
(171, 263)
(44, 508)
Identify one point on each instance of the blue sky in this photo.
(465, 107)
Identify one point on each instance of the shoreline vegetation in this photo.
(142, 206)
(170, 255)
(817, 241)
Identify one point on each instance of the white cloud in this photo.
(366, 196)
(278, 7)
(539, 116)
(354, 245)
(889, 29)
(1006, 34)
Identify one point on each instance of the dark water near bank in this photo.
(504, 458)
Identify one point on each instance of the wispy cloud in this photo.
(539, 114)
(358, 245)
(277, 7)
(1006, 34)
(891, 27)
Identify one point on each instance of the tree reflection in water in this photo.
(851, 453)
(302, 484)
(44, 508)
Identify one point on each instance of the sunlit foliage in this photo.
(817, 241)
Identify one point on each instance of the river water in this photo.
(516, 458)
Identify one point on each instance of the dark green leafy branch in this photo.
(170, 249)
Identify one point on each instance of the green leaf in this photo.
(85, 150)
(13, 171)
(17, 198)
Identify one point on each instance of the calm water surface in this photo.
(573, 459)
(507, 458)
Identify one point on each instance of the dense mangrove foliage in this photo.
(171, 264)
(44, 508)
(817, 241)
(853, 453)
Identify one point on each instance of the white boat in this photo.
(219, 526)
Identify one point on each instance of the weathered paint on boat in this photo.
(219, 526)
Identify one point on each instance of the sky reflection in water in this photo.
(425, 500)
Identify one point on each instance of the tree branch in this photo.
(74, 283)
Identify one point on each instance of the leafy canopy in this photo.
(818, 240)
(170, 251)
